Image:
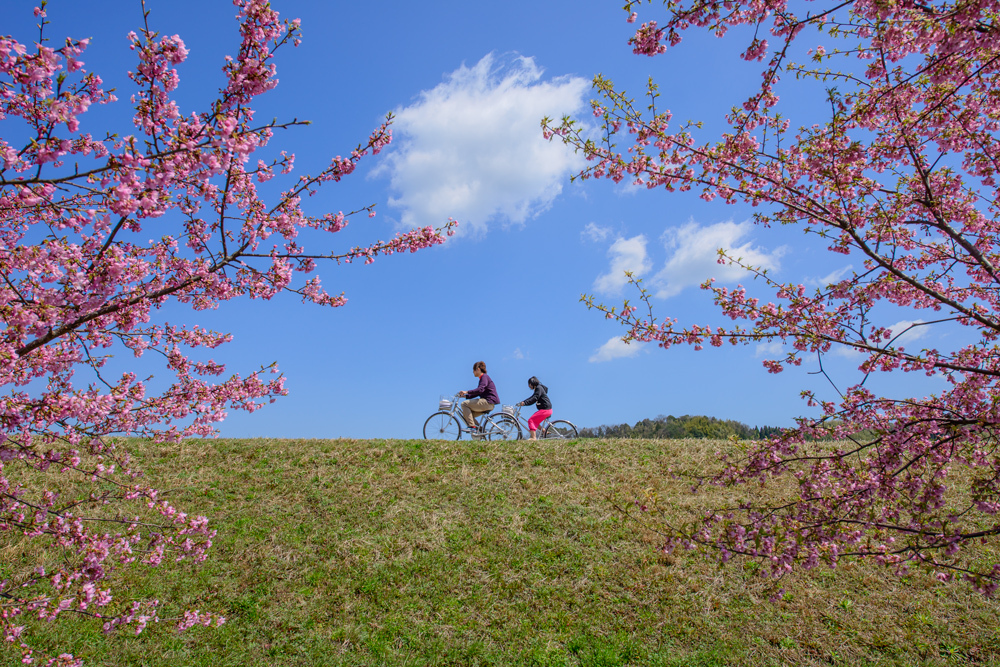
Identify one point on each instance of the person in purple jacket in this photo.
(482, 399)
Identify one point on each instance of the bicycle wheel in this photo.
(442, 426)
(511, 424)
(505, 428)
(560, 429)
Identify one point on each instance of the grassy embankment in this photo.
(443, 553)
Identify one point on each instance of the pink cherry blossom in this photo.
(901, 176)
(81, 283)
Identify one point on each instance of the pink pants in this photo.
(537, 419)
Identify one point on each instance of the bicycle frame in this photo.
(570, 429)
(450, 424)
(522, 422)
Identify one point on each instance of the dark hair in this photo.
(480, 365)
(533, 382)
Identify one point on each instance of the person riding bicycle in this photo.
(482, 399)
(541, 398)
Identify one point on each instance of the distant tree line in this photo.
(676, 428)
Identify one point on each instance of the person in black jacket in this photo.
(540, 398)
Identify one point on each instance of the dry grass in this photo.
(441, 553)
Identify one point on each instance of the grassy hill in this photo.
(342, 552)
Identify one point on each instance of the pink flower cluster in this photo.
(82, 282)
(902, 177)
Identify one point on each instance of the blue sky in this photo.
(469, 83)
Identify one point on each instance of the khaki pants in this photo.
(473, 407)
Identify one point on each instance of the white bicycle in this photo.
(446, 424)
(559, 429)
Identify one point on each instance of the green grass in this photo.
(342, 552)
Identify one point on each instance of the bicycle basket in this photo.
(444, 404)
(508, 410)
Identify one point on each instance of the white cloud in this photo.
(472, 147)
(907, 331)
(773, 348)
(833, 277)
(616, 348)
(595, 233)
(693, 256)
(626, 255)
(517, 354)
(847, 352)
